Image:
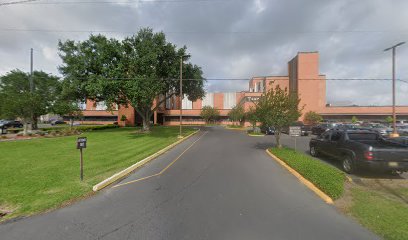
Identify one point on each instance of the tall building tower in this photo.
(306, 82)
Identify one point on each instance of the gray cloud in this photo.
(234, 38)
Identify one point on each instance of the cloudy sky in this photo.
(230, 38)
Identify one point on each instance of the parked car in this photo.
(56, 122)
(321, 128)
(379, 128)
(268, 130)
(361, 149)
(305, 130)
(11, 124)
(401, 140)
(403, 130)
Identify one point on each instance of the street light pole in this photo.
(394, 114)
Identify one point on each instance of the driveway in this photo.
(219, 184)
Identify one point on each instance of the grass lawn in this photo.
(327, 178)
(42, 174)
(382, 212)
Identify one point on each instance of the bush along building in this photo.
(303, 79)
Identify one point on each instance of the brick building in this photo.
(303, 79)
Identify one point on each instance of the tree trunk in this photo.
(25, 128)
(34, 124)
(146, 121)
(277, 137)
(71, 123)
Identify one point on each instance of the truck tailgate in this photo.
(394, 155)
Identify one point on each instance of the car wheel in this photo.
(313, 151)
(348, 164)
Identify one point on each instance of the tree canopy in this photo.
(312, 118)
(17, 101)
(252, 116)
(278, 108)
(134, 71)
(237, 113)
(209, 114)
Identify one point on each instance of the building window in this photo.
(208, 100)
(101, 106)
(230, 100)
(82, 106)
(187, 104)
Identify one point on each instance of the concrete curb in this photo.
(306, 182)
(127, 171)
(237, 129)
(253, 135)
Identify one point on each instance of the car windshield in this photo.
(362, 136)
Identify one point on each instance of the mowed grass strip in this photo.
(42, 174)
(327, 178)
(383, 213)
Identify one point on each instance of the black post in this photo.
(82, 165)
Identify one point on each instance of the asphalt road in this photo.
(224, 186)
(302, 145)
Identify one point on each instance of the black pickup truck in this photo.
(361, 149)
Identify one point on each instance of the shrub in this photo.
(41, 133)
(327, 178)
(255, 132)
(312, 118)
(14, 130)
(82, 128)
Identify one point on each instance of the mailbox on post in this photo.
(81, 144)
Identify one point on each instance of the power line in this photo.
(207, 32)
(17, 2)
(38, 2)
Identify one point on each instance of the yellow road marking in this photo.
(165, 169)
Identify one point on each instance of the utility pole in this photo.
(31, 71)
(394, 114)
(181, 93)
(31, 86)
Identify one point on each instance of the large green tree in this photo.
(209, 114)
(17, 101)
(278, 108)
(237, 114)
(134, 71)
(252, 116)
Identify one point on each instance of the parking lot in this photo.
(302, 145)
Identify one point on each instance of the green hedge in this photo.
(83, 128)
(327, 178)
